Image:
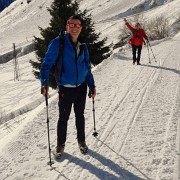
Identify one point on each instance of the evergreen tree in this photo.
(60, 11)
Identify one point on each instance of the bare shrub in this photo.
(176, 25)
(158, 28)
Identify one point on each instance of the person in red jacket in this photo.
(136, 40)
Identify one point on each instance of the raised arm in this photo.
(128, 25)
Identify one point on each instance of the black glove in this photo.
(91, 91)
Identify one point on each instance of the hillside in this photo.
(15, 20)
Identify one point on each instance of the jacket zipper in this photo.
(76, 58)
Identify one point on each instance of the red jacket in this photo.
(138, 35)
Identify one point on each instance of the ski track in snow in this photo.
(137, 127)
(137, 107)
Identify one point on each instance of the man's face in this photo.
(74, 27)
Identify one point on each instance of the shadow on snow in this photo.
(114, 172)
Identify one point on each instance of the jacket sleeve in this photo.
(130, 27)
(89, 77)
(48, 61)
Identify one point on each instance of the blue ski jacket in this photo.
(76, 68)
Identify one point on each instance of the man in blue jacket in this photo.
(72, 79)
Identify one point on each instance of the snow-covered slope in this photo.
(22, 20)
(137, 107)
(18, 17)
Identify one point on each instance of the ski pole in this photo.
(152, 51)
(49, 146)
(148, 52)
(94, 133)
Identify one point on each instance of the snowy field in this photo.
(137, 107)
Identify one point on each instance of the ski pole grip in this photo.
(46, 99)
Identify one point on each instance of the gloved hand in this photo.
(44, 90)
(92, 92)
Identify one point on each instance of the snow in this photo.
(137, 108)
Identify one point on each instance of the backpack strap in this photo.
(60, 56)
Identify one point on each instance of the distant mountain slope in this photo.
(117, 9)
(109, 14)
(4, 4)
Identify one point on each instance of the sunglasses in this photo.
(72, 25)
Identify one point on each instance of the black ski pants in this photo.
(67, 97)
(136, 50)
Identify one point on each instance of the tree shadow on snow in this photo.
(161, 67)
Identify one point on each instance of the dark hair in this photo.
(137, 24)
(75, 17)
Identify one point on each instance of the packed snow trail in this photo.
(137, 112)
